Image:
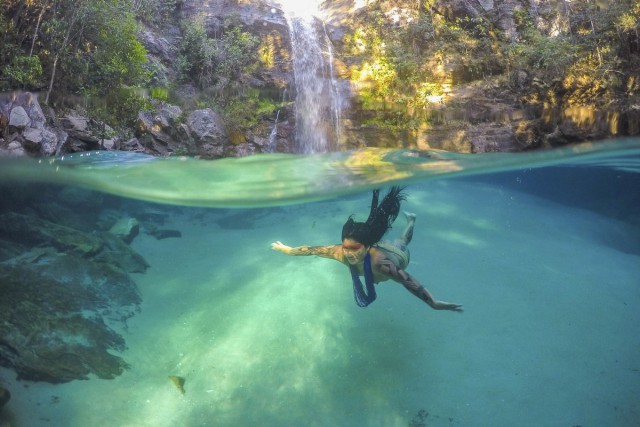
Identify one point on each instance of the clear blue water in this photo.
(542, 249)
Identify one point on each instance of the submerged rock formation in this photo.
(65, 286)
(4, 396)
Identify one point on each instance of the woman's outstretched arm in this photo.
(332, 252)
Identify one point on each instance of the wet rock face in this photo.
(65, 291)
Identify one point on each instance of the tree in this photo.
(63, 27)
(117, 57)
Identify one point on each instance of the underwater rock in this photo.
(4, 396)
(164, 233)
(63, 291)
(112, 292)
(117, 253)
(8, 250)
(126, 228)
(53, 329)
(178, 382)
(33, 231)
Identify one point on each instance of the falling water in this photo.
(271, 146)
(317, 103)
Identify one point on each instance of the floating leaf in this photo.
(178, 382)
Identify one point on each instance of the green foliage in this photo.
(118, 57)
(393, 120)
(24, 72)
(196, 50)
(406, 70)
(549, 55)
(587, 53)
(118, 107)
(247, 109)
(211, 62)
(159, 94)
(403, 70)
(237, 53)
(79, 46)
(155, 11)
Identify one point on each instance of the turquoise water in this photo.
(542, 249)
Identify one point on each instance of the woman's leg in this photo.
(407, 234)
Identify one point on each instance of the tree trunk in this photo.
(63, 46)
(53, 76)
(35, 32)
(57, 56)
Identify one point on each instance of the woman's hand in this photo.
(279, 246)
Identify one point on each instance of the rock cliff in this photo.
(467, 76)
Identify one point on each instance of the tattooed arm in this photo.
(332, 252)
(388, 269)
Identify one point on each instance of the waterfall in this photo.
(318, 103)
(271, 145)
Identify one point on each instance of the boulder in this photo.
(19, 118)
(118, 254)
(14, 149)
(158, 46)
(169, 115)
(78, 128)
(126, 228)
(145, 122)
(133, 145)
(62, 137)
(209, 132)
(75, 123)
(4, 396)
(109, 144)
(28, 124)
(42, 141)
(29, 101)
(33, 135)
(161, 132)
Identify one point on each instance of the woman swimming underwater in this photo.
(366, 254)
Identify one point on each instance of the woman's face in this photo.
(354, 251)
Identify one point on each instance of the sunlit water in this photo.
(542, 249)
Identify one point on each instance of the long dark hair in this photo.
(380, 218)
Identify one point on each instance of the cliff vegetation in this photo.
(491, 75)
